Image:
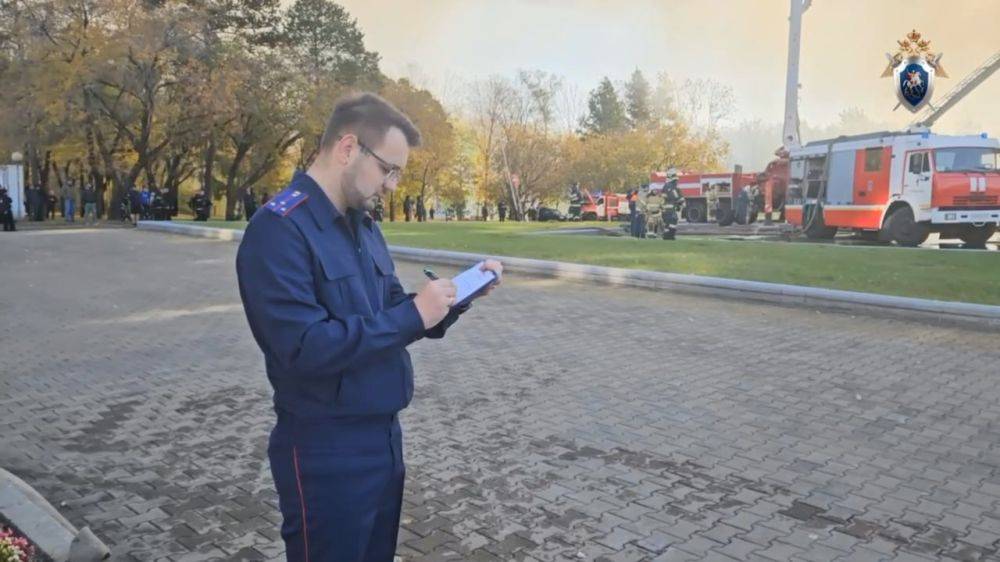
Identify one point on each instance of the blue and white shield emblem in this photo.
(914, 82)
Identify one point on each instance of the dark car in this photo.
(550, 214)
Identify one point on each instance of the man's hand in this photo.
(497, 268)
(434, 300)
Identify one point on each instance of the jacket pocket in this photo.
(385, 271)
(338, 288)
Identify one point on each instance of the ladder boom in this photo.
(969, 83)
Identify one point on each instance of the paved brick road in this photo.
(557, 421)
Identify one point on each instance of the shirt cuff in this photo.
(408, 319)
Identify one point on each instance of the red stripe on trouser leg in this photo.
(302, 501)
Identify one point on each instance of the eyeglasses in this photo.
(391, 171)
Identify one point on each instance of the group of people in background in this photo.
(40, 205)
(248, 203)
(137, 203)
(654, 209)
(485, 212)
(147, 204)
(415, 208)
(142, 203)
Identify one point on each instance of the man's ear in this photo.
(344, 147)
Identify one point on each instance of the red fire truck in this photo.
(604, 206)
(897, 186)
(695, 188)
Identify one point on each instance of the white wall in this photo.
(12, 178)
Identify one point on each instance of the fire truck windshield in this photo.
(965, 159)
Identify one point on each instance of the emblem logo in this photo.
(913, 69)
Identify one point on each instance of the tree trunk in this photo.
(306, 158)
(45, 169)
(150, 178)
(514, 199)
(61, 175)
(421, 213)
(231, 184)
(32, 167)
(209, 163)
(173, 177)
(106, 154)
(92, 162)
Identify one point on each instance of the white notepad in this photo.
(470, 282)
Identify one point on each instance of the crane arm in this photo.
(969, 83)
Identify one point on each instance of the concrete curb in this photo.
(794, 295)
(36, 519)
(192, 230)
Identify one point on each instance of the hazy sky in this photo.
(739, 42)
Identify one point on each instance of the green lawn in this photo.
(937, 274)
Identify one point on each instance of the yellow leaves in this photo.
(622, 161)
(428, 161)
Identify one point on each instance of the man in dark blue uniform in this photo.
(323, 301)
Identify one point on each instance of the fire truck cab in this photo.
(897, 186)
(604, 206)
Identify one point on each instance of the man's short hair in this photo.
(369, 117)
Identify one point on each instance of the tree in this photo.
(328, 48)
(570, 106)
(251, 22)
(264, 121)
(663, 104)
(623, 161)
(517, 150)
(606, 113)
(457, 182)
(164, 91)
(541, 91)
(151, 87)
(488, 100)
(705, 102)
(535, 156)
(429, 160)
(530, 148)
(44, 48)
(638, 100)
(327, 41)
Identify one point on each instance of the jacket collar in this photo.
(323, 211)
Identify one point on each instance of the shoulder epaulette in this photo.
(286, 201)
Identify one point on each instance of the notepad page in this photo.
(471, 281)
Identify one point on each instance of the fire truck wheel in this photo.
(976, 236)
(695, 212)
(906, 231)
(589, 217)
(817, 229)
(725, 217)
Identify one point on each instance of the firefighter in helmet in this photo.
(652, 207)
(711, 202)
(673, 203)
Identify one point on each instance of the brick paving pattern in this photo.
(558, 421)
